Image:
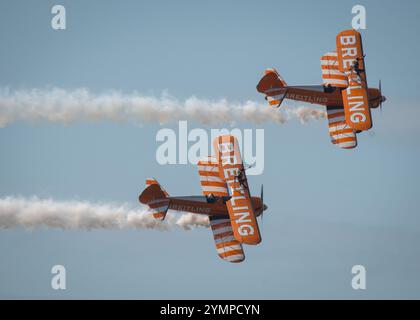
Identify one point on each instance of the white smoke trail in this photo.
(34, 213)
(67, 106)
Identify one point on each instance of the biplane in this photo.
(226, 200)
(344, 91)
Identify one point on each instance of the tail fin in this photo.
(150, 181)
(273, 86)
(274, 71)
(156, 198)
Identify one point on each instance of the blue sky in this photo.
(329, 209)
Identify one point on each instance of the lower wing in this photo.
(228, 248)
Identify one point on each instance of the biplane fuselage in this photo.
(201, 205)
(326, 96)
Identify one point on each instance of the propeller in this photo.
(381, 97)
(263, 206)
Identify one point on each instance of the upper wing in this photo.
(241, 212)
(273, 86)
(210, 180)
(331, 75)
(228, 248)
(355, 97)
(340, 133)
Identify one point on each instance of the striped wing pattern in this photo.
(210, 181)
(331, 75)
(228, 248)
(341, 134)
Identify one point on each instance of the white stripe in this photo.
(276, 97)
(210, 178)
(347, 144)
(335, 82)
(158, 200)
(235, 257)
(214, 189)
(208, 168)
(222, 230)
(225, 239)
(229, 248)
(343, 135)
(332, 54)
(332, 72)
(330, 63)
(339, 127)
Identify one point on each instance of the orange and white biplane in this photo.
(226, 200)
(344, 91)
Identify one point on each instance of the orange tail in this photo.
(156, 198)
(273, 86)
